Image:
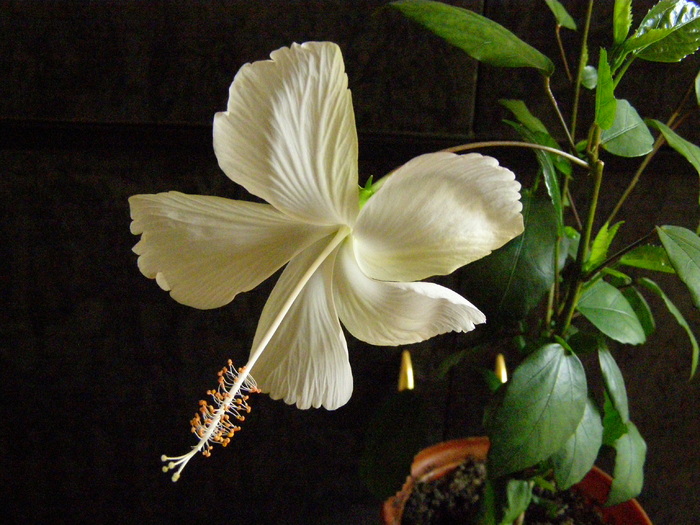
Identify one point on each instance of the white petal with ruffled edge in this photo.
(436, 213)
(205, 250)
(390, 314)
(288, 135)
(306, 361)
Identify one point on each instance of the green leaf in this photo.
(614, 383)
(546, 162)
(601, 244)
(605, 306)
(617, 278)
(628, 475)
(536, 411)
(562, 16)
(668, 33)
(628, 136)
(519, 273)
(535, 131)
(474, 34)
(689, 150)
(683, 249)
(584, 342)
(641, 308)
(613, 426)
(605, 102)
(578, 455)
(622, 20)
(652, 286)
(648, 257)
(518, 497)
(523, 114)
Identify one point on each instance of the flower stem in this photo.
(517, 144)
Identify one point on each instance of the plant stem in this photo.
(619, 254)
(517, 144)
(562, 51)
(581, 66)
(550, 95)
(577, 276)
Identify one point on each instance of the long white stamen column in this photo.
(233, 397)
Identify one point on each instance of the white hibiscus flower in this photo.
(288, 136)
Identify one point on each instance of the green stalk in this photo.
(577, 276)
(517, 144)
(581, 66)
(550, 95)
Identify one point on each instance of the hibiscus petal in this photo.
(436, 213)
(306, 361)
(205, 250)
(288, 135)
(390, 314)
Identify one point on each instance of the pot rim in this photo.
(439, 459)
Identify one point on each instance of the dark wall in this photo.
(100, 370)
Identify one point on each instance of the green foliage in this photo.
(601, 245)
(622, 20)
(573, 461)
(641, 309)
(605, 306)
(476, 35)
(562, 16)
(560, 267)
(614, 383)
(628, 475)
(605, 103)
(690, 151)
(621, 434)
(536, 411)
(648, 257)
(628, 136)
(652, 286)
(668, 33)
(683, 249)
(518, 496)
(535, 131)
(520, 272)
(544, 159)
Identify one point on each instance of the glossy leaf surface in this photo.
(537, 410)
(668, 33)
(683, 249)
(476, 35)
(578, 455)
(605, 306)
(628, 136)
(628, 475)
(648, 257)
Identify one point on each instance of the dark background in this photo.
(100, 370)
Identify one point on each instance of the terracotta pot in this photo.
(436, 461)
